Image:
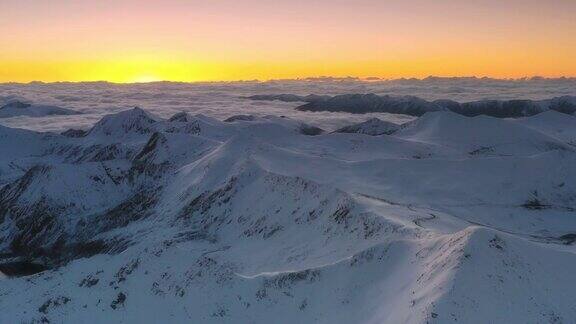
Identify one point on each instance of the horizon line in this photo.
(317, 78)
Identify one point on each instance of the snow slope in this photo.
(266, 219)
(480, 135)
(554, 124)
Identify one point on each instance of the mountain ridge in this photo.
(415, 106)
(253, 219)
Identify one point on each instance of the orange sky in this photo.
(194, 40)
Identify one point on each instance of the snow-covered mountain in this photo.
(18, 108)
(267, 219)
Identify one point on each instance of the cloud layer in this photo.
(222, 100)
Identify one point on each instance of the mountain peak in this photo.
(180, 117)
(135, 120)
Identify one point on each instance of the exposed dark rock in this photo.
(310, 130)
(53, 303)
(535, 204)
(75, 133)
(21, 268)
(240, 118)
(119, 301)
(569, 238)
(372, 126)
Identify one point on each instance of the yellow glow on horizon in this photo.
(145, 78)
(138, 70)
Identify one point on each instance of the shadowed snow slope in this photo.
(254, 220)
(481, 135)
(554, 124)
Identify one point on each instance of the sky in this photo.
(211, 40)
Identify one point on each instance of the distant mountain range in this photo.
(415, 106)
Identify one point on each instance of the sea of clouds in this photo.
(225, 99)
